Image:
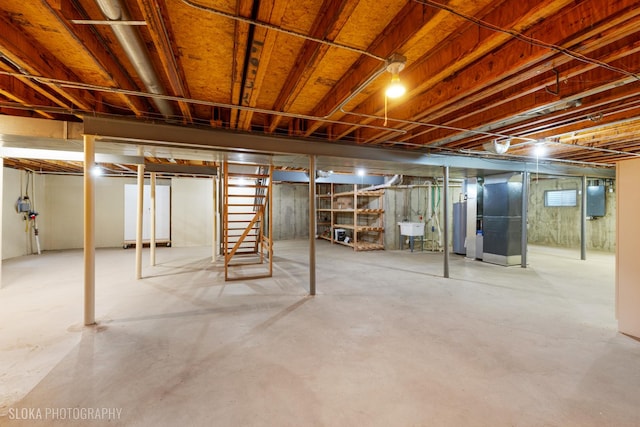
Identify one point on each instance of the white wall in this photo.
(59, 201)
(15, 241)
(191, 211)
(110, 211)
(64, 219)
(628, 233)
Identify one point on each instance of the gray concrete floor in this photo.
(386, 342)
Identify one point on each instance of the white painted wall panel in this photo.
(163, 213)
(64, 196)
(191, 212)
(15, 240)
(628, 233)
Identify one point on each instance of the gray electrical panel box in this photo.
(23, 204)
(595, 200)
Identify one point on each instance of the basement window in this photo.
(560, 198)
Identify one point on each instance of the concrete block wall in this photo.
(290, 211)
(59, 201)
(415, 200)
(560, 226)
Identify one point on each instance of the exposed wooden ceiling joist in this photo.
(475, 71)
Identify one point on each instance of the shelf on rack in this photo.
(359, 213)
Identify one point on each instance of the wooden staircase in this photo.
(247, 242)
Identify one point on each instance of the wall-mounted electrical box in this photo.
(595, 200)
(23, 204)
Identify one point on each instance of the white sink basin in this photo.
(411, 228)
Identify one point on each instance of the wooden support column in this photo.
(139, 222)
(445, 196)
(152, 222)
(312, 225)
(89, 232)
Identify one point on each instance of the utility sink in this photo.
(411, 228)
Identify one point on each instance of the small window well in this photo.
(560, 198)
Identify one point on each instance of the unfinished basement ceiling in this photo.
(479, 75)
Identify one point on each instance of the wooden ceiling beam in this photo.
(442, 63)
(585, 123)
(603, 136)
(17, 91)
(500, 97)
(614, 105)
(155, 13)
(593, 81)
(584, 154)
(574, 119)
(98, 50)
(41, 90)
(32, 57)
(240, 46)
(411, 19)
(511, 58)
(334, 14)
(261, 47)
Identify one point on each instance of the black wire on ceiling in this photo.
(530, 40)
(279, 29)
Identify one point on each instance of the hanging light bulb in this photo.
(97, 170)
(395, 88)
(540, 150)
(395, 64)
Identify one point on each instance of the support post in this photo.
(525, 216)
(139, 222)
(445, 196)
(583, 220)
(312, 225)
(152, 220)
(89, 232)
(217, 212)
(214, 219)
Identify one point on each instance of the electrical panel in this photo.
(595, 200)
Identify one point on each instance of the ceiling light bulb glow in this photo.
(96, 170)
(540, 150)
(395, 88)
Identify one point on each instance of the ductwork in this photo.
(392, 181)
(114, 10)
(495, 147)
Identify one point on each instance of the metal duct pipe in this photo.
(114, 10)
(393, 181)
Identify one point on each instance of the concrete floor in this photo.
(386, 342)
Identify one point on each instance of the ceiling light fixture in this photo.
(395, 64)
